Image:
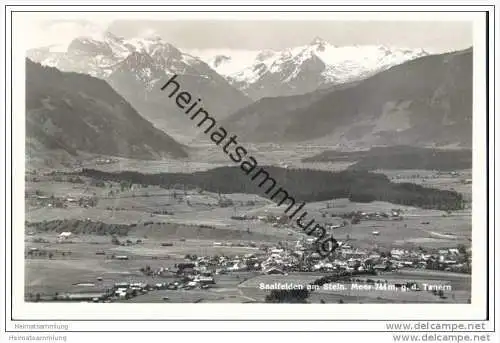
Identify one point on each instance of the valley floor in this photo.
(209, 226)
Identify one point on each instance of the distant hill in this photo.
(68, 113)
(425, 101)
(399, 157)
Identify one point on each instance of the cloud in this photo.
(42, 32)
(148, 32)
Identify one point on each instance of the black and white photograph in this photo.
(161, 161)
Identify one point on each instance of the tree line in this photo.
(303, 184)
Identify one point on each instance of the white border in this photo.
(351, 312)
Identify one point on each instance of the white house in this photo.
(64, 236)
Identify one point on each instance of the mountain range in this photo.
(425, 101)
(257, 73)
(350, 95)
(74, 113)
(301, 69)
(137, 68)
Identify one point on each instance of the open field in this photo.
(189, 209)
(440, 180)
(429, 228)
(62, 273)
(204, 156)
(441, 229)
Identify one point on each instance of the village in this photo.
(281, 260)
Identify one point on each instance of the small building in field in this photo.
(380, 267)
(94, 297)
(274, 270)
(64, 235)
(205, 280)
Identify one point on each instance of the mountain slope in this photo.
(139, 79)
(259, 121)
(424, 101)
(137, 68)
(72, 113)
(302, 69)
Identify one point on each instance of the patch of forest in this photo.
(302, 184)
(80, 227)
(153, 229)
(399, 157)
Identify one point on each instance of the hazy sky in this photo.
(283, 34)
(431, 35)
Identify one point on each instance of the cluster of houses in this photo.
(243, 217)
(201, 272)
(237, 244)
(301, 257)
(348, 258)
(355, 217)
(101, 161)
(119, 291)
(358, 216)
(436, 175)
(127, 290)
(275, 220)
(41, 200)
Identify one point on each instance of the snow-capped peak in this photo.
(102, 53)
(220, 59)
(316, 64)
(153, 36)
(319, 60)
(264, 55)
(318, 41)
